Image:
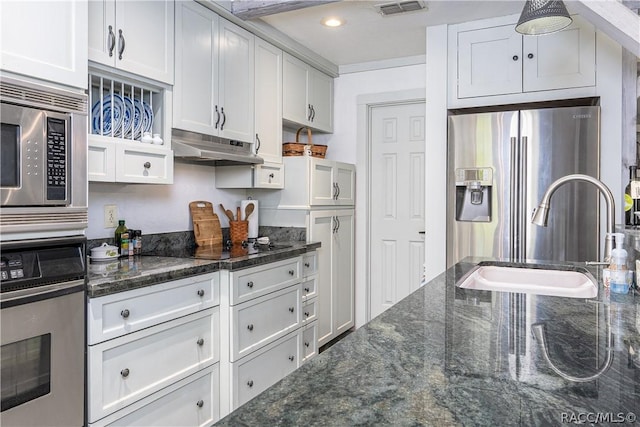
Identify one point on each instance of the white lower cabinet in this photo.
(147, 343)
(268, 317)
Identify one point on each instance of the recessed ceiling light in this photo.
(332, 21)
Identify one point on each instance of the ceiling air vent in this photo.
(388, 9)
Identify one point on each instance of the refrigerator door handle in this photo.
(514, 197)
(522, 232)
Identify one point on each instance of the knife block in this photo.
(238, 231)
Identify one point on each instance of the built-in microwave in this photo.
(34, 168)
(43, 160)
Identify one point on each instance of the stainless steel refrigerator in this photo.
(499, 166)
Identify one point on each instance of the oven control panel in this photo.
(15, 266)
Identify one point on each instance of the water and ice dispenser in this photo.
(473, 194)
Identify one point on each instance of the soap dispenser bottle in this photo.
(618, 266)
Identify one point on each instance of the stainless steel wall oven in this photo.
(42, 352)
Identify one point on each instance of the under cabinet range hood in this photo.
(210, 150)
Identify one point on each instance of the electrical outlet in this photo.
(110, 215)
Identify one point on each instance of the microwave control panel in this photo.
(56, 159)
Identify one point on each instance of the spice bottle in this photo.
(138, 247)
(118, 233)
(124, 244)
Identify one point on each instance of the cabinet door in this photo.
(542, 67)
(236, 82)
(101, 159)
(195, 91)
(144, 38)
(268, 101)
(323, 185)
(102, 32)
(321, 100)
(46, 40)
(321, 230)
(345, 178)
(295, 86)
(343, 271)
(489, 62)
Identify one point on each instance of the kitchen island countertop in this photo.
(124, 274)
(450, 356)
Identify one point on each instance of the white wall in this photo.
(159, 208)
(350, 90)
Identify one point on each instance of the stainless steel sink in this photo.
(554, 280)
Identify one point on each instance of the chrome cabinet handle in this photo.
(124, 372)
(334, 195)
(112, 41)
(250, 327)
(333, 224)
(120, 44)
(250, 383)
(313, 113)
(217, 117)
(338, 222)
(530, 56)
(200, 342)
(200, 292)
(337, 188)
(147, 165)
(250, 284)
(309, 112)
(125, 313)
(291, 272)
(258, 144)
(515, 57)
(224, 118)
(291, 309)
(200, 403)
(291, 358)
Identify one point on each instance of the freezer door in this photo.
(559, 142)
(480, 141)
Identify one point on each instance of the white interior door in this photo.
(396, 202)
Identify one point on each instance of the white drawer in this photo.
(269, 176)
(193, 401)
(144, 165)
(261, 280)
(126, 369)
(309, 288)
(309, 341)
(309, 264)
(114, 315)
(261, 370)
(309, 311)
(263, 320)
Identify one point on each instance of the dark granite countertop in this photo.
(450, 356)
(124, 274)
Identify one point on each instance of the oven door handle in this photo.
(24, 296)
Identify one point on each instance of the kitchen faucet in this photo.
(541, 214)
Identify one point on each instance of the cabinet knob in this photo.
(291, 272)
(124, 372)
(200, 403)
(250, 327)
(125, 313)
(200, 292)
(250, 284)
(307, 289)
(306, 344)
(306, 264)
(515, 57)
(271, 175)
(147, 165)
(250, 383)
(291, 358)
(291, 309)
(200, 342)
(530, 55)
(306, 314)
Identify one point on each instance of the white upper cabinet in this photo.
(134, 36)
(214, 88)
(307, 95)
(496, 60)
(45, 40)
(268, 101)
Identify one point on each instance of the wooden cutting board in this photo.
(206, 225)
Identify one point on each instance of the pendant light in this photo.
(543, 17)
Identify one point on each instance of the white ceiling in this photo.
(367, 36)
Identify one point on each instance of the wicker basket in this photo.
(297, 148)
(238, 231)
